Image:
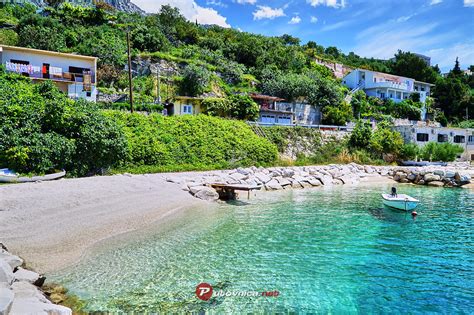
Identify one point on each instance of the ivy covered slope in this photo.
(42, 130)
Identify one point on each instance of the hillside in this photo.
(213, 61)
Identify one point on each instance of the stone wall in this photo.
(20, 291)
(282, 178)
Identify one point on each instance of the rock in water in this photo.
(26, 275)
(208, 194)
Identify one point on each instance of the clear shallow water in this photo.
(333, 250)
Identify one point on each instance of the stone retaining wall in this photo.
(279, 178)
(20, 291)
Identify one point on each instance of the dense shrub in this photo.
(409, 151)
(42, 130)
(446, 151)
(361, 135)
(192, 140)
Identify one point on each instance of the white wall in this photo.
(63, 62)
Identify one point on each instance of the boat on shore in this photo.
(400, 201)
(9, 176)
(422, 163)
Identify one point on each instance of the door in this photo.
(45, 71)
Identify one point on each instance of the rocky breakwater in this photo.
(450, 177)
(276, 178)
(20, 289)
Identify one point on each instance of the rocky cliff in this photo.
(122, 5)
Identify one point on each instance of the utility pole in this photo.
(130, 83)
(158, 72)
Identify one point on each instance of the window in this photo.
(268, 119)
(422, 137)
(470, 139)
(284, 120)
(442, 138)
(188, 109)
(382, 95)
(459, 139)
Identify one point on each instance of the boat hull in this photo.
(400, 204)
(17, 179)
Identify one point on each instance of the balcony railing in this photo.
(55, 73)
(387, 84)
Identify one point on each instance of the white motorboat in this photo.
(8, 176)
(400, 201)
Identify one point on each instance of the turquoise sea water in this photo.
(326, 250)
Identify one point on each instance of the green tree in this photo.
(195, 80)
(243, 107)
(361, 135)
(410, 65)
(337, 115)
(385, 140)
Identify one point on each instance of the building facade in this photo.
(183, 105)
(386, 86)
(73, 74)
(276, 111)
(421, 135)
(272, 110)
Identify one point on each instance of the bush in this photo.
(337, 115)
(42, 130)
(195, 80)
(409, 151)
(192, 140)
(361, 135)
(446, 152)
(385, 140)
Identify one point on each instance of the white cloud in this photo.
(246, 1)
(469, 3)
(433, 2)
(445, 57)
(216, 3)
(188, 8)
(314, 19)
(295, 20)
(384, 40)
(338, 25)
(265, 12)
(330, 3)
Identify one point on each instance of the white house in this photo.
(421, 135)
(73, 74)
(386, 86)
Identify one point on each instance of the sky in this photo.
(441, 29)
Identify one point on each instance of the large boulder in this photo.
(273, 185)
(283, 181)
(430, 177)
(264, 178)
(325, 180)
(238, 176)
(436, 184)
(12, 260)
(6, 299)
(6, 272)
(314, 182)
(208, 194)
(26, 275)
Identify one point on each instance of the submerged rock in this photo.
(208, 194)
